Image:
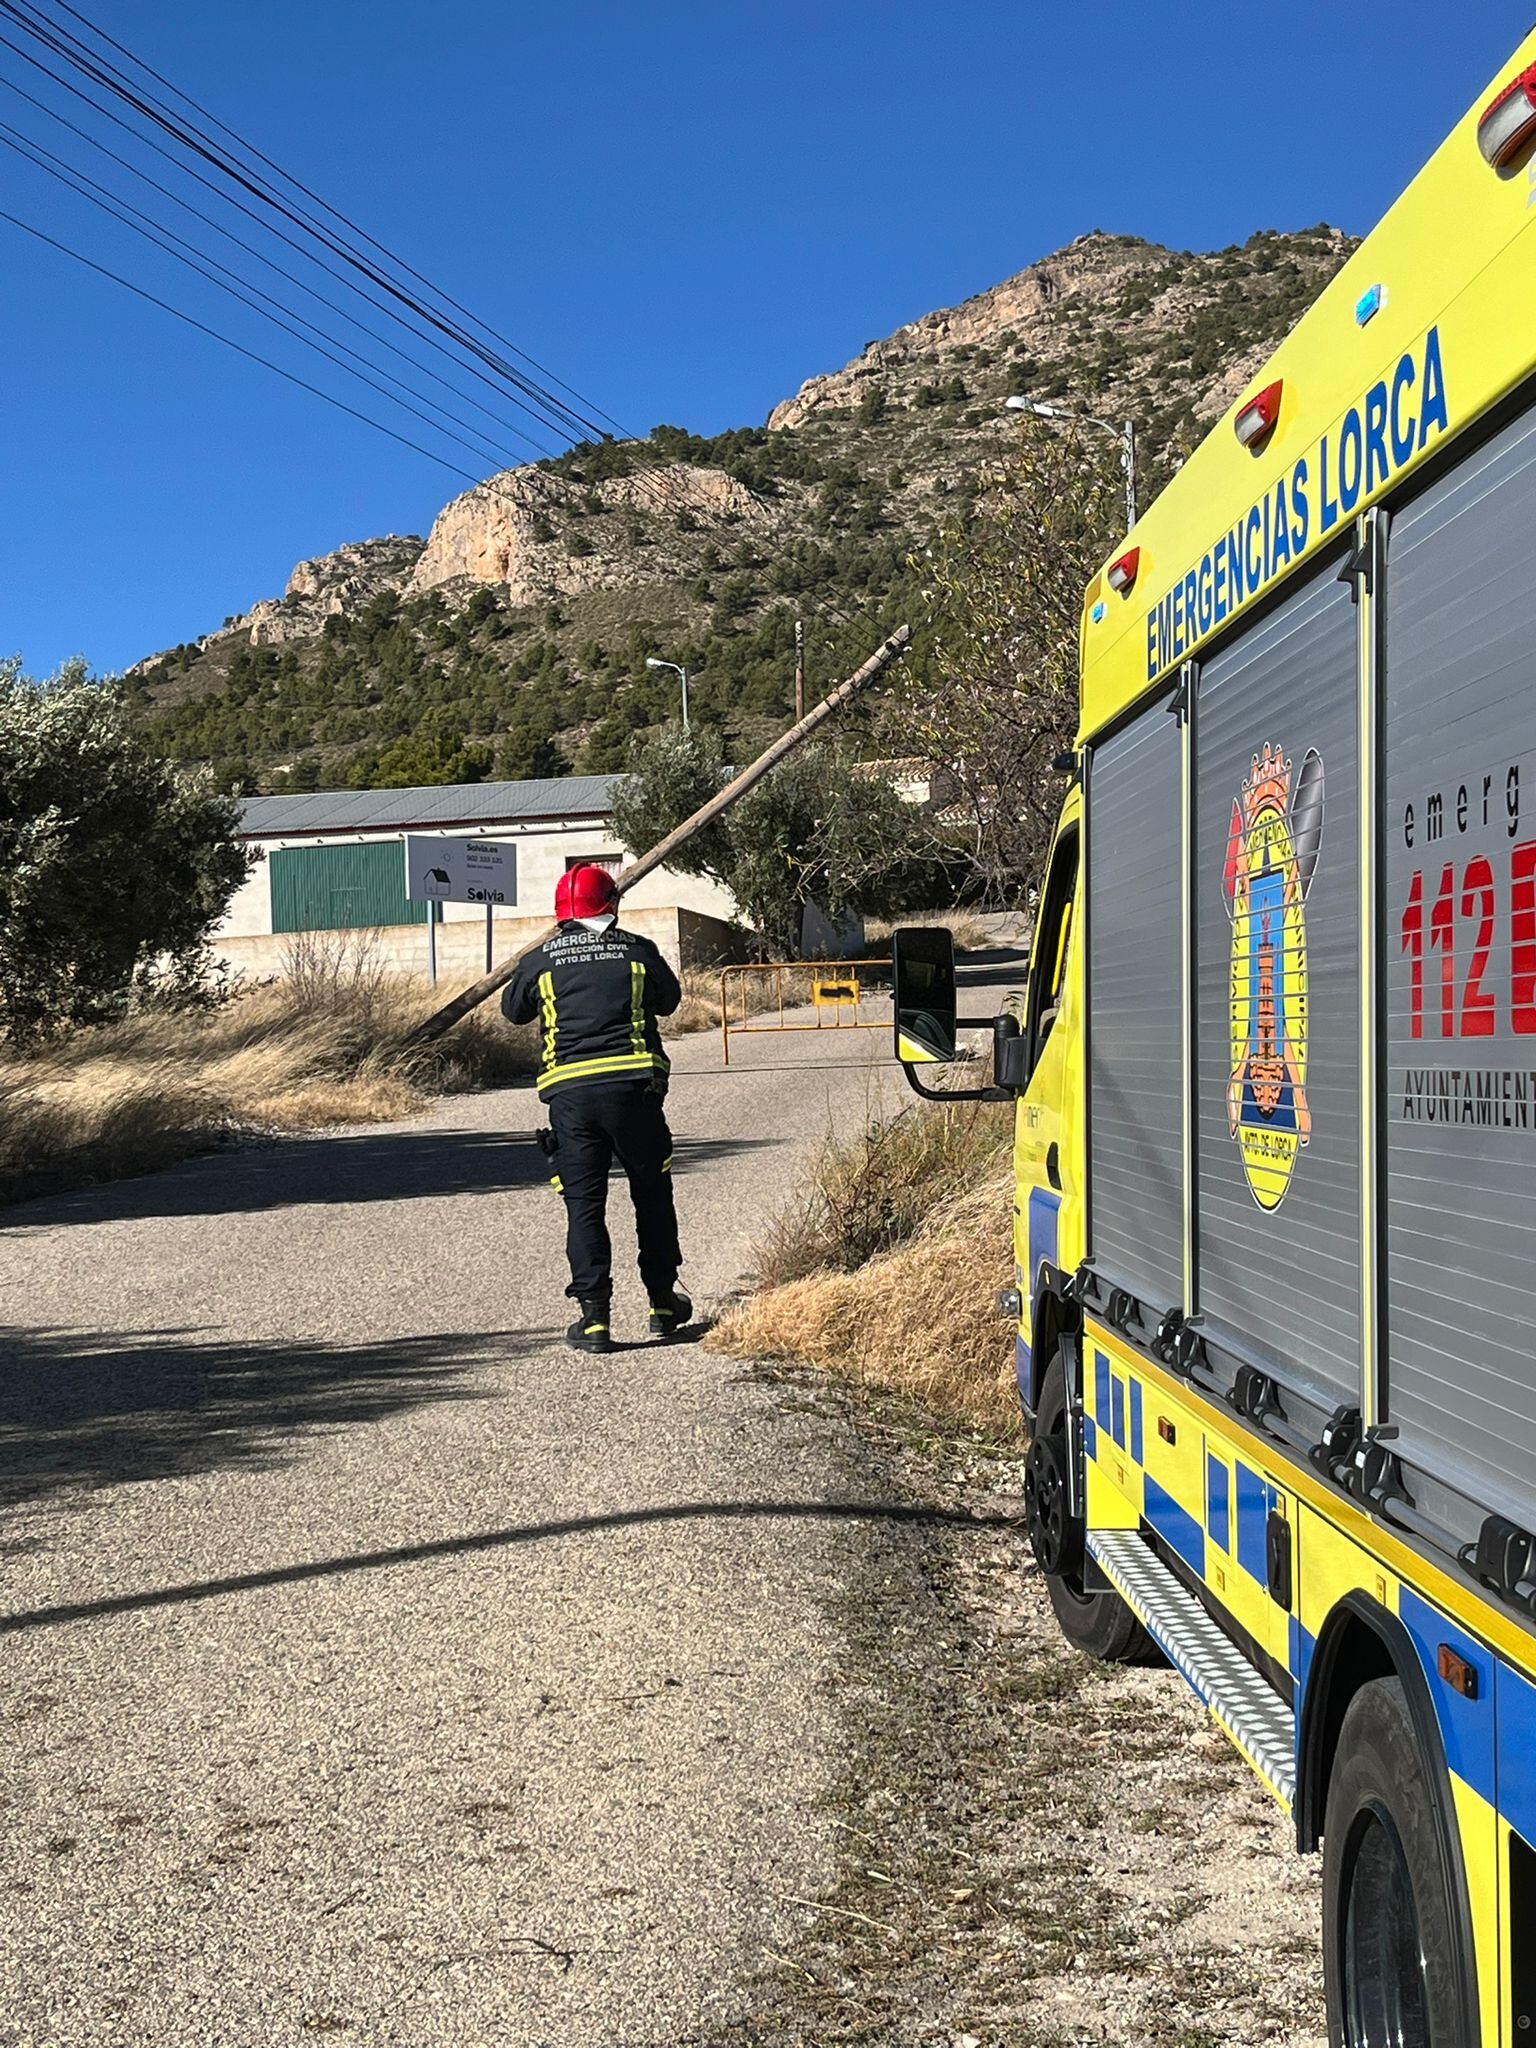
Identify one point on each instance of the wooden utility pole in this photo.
(441, 1020)
(799, 670)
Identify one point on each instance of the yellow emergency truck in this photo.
(1276, 1079)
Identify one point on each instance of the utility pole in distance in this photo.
(799, 670)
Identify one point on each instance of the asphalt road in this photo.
(373, 1666)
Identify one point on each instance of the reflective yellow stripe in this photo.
(621, 1063)
(637, 1004)
(557, 1183)
(666, 1164)
(547, 1005)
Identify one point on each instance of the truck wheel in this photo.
(1389, 1936)
(1093, 1617)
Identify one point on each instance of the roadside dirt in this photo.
(1038, 1851)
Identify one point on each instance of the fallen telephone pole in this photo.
(892, 649)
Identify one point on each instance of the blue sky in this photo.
(681, 209)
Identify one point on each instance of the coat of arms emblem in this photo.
(1272, 848)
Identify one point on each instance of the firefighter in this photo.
(597, 992)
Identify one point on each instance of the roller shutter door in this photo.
(1135, 1009)
(1460, 944)
(1277, 945)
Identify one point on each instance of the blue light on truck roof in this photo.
(1369, 304)
(1098, 612)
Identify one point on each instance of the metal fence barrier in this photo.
(835, 989)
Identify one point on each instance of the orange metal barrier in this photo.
(833, 988)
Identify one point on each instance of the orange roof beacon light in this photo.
(1256, 422)
(1122, 574)
(1509, 122)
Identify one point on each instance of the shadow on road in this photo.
(501, 1539)
(988, 966)
(371, 1166)
(985, 958)
(80, 1411)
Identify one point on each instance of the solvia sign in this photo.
(443, 870)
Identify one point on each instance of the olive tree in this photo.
(112, 864)
(996, 698)
(821, 828)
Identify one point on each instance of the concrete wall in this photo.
(686, 937)
(543, 849)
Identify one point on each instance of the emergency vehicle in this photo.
(1276, 1080)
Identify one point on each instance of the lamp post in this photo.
(653, 661)
(1124, 432)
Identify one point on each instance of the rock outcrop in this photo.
(542, 537)
(345, 581)
(1026, 308)
(1055, 317)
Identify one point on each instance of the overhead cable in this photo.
(226, 341)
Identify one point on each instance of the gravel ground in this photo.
(1037, 1851)
(373, 1667)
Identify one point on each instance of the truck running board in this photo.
(1251, 1711)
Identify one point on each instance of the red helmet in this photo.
(585, 891)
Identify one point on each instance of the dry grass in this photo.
(869, 1195)
(885, 1270)
(964, 926)
(748, 995)
(701, 1000)
(700, 1007)
(326, 1045)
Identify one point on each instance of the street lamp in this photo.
(1124, 432)
(652, 661)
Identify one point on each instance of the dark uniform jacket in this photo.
(596, 997)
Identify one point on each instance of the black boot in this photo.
(589, 1332)
(670, 1316)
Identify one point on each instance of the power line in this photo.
(655, 484)
(225, 340)
(112, 79)
(268, 262)
(191, 172)
(652, 482)
(539, 404)
(298, 184)
(206, 267)
(646, 480)
(120, 209)
(485, 484)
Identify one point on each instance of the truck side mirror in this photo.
(923, 974)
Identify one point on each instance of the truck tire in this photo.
(1093, 1617)
(1389, 1922)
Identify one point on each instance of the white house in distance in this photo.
(334, 861)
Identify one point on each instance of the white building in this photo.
(334, 860)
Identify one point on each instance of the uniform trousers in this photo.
(595, 1124)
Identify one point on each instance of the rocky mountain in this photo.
(346, 581)
(513, 640)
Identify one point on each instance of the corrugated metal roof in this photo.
(397, 810)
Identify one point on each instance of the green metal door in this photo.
(340, 888)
